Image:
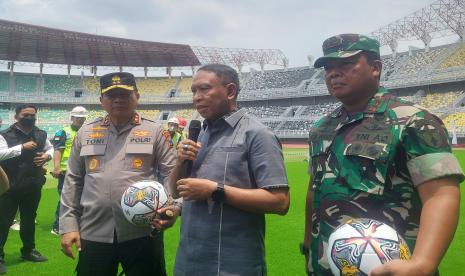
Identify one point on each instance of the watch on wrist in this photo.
(219, 195)
(304, 250)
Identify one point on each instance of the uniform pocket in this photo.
(138, 157)
(93, 155)
(365, 166)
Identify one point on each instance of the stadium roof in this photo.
(439, 19)
(29, 43)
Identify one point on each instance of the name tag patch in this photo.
(140, 140)
(99, 141)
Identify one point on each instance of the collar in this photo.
(15, 127)
(231, 119)
(377, 104)
(136, 120)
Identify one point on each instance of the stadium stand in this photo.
(319, 109)
(5, 115)
(25, 83)
(151, 114)
(434, 101)
(155, 86)
(183, 113)
(391, 64)
(4, 82)
(52, 115)
(91, 85)
(266, 111)
(458, 119)
(457, 58)
(272, 124)
(277, 78)
(58, 84)
(420, 61)
(298, 126)
(185, 86)
(150, 86)
(94, 114)
(51, 129)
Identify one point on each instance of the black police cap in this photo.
(122, 80)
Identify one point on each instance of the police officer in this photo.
(378, 157)
(62, 142)
(107, 156)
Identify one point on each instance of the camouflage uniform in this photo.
(369, 164)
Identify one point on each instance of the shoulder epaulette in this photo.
(95, 121)
(144, 118)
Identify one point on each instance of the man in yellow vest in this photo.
(62, 143)
(173, 124)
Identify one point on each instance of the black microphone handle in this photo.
(194, 131)
(187, 168)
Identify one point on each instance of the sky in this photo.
(297, 27)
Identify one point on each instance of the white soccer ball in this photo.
(359, 245)
(141, 200)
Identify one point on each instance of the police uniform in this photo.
(104, 161)
(368, 165)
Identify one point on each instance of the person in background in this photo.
(182, 125)
(62, 142)
(24, 149)
(173, 124)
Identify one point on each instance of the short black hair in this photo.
(226, 73)
(24, 106)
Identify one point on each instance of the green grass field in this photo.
(283, 234)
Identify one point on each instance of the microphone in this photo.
(194, 130)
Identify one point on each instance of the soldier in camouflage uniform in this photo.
(379, 157)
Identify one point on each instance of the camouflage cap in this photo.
(346, 45)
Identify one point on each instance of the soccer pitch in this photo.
(283, 234)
